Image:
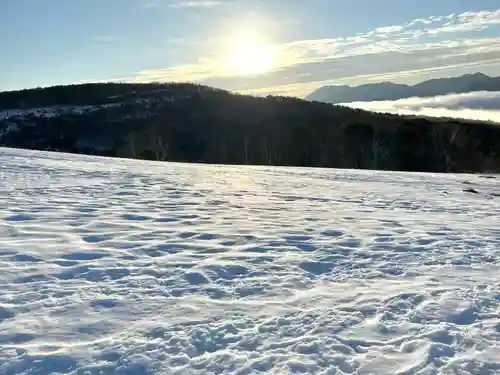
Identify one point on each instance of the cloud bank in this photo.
(481, 105)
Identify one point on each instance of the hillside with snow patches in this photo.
(179, 122)
(114, 266)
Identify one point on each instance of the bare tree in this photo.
(246, 149)
(162, 149)
(132, 145)
(378, 149)
(223, 150)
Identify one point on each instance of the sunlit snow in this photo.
(112, 266)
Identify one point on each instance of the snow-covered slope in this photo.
(51, 112)
(114, 266)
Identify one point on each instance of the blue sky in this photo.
(313, 42)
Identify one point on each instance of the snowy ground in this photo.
(127, 267)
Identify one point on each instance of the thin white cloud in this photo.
(195, 4)
(424, 21)
(468, 21)
(481, 105)
(389, 29)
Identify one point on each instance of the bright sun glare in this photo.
(251, 58)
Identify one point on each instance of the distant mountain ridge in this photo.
(394, 91)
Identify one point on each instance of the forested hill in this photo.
(192, 123)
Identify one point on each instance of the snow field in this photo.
(112, 266)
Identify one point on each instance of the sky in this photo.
(287, 47)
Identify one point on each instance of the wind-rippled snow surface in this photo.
(127, 267)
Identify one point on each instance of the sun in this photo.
(251, 58)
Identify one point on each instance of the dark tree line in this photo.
(192, 123)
